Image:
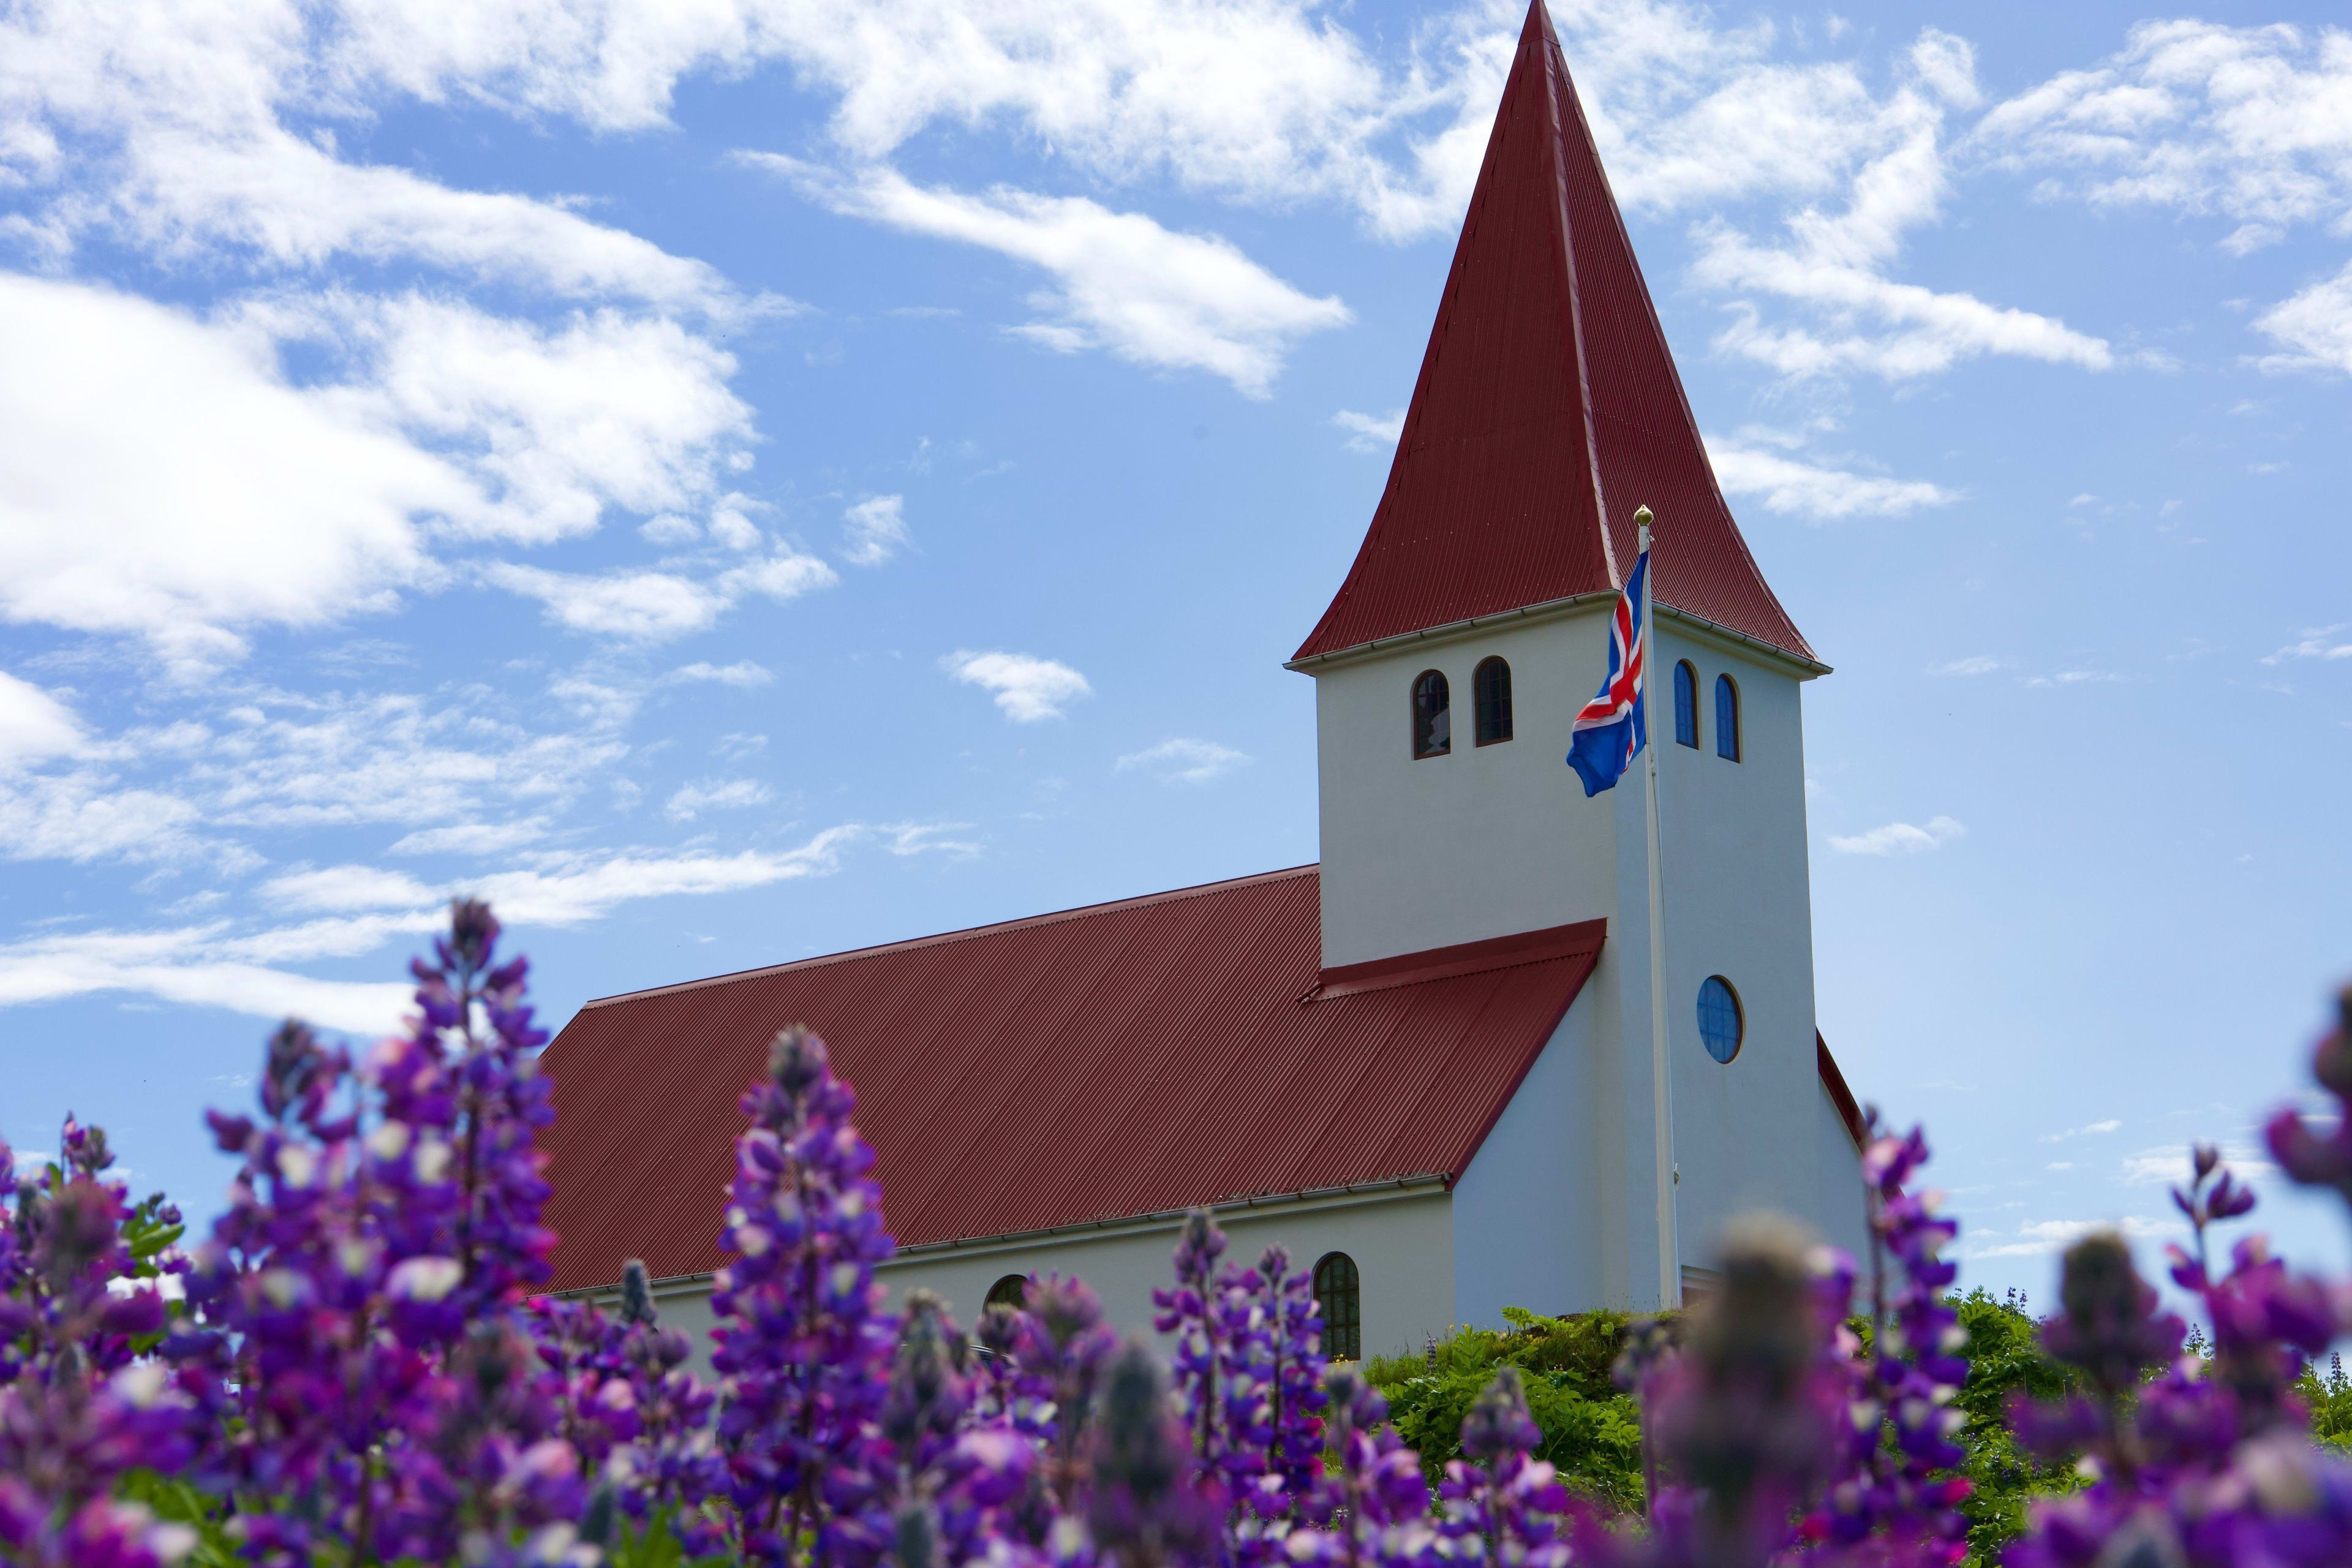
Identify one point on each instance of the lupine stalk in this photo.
(1894, 1495)
(803, 1343)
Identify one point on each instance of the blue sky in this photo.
(743, 481)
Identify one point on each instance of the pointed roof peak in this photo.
(1547, 409)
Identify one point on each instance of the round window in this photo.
(1719, 1021)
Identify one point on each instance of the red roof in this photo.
(1126, 1059)
(1548, 400)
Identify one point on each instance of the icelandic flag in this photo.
(1614, 725)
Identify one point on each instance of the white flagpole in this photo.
(1670, 1268)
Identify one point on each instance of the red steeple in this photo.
(1546, 403)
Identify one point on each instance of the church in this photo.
(1429, 1066)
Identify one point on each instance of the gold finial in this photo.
(1642, 518)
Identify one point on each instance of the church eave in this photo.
(1799, 665)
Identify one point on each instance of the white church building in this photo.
(1425, 1065)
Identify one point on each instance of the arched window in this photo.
(1687, 705)
(1013, 1290)
(1432, 724)
(1721, 1023)
(1727, 718)
(1341, 1299)
(1491, 684)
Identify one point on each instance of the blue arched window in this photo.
(1727, 718)
(1432, 718)
(1339, 1299)
(1491, 684)
(1687, 705)
(1721, 1025)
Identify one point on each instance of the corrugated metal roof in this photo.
(1125, 1059)
(1548, 400)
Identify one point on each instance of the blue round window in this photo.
(1719, 1023)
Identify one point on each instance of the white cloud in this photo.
(1900, 838)
(2037, 1238)
(1370, 433)
(2316, 642)
(580, 890)
(2247, 123)
(2073, 677)
(34, 725)
(690, 799)
(472, 838)
(2313, 326)
(2088, 1129)
(1975, 664)
(876, 532)
(2169, 1165)
(346, 888)
(908, 838)
(51, 969)
(168, 128)
(158, 477)
(1789, 484)
(1124, 283)
(208, 965)
(657, 606)
(1185, 761)
(1027, 689)
(643, 606)
(553, 425)
(82, 816)
(742, 673)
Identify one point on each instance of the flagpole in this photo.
(1670, 1271)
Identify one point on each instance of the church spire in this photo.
(1548, 409)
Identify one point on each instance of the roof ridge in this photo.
(963, 933)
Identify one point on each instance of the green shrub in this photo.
(1591, 1432)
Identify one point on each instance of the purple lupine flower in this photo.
(1248, 1371)
(1747, 1415)
(1291, 1343)
(1500, 1504)
(1205, 1357)
(1009, 1390)
(634, 1414)
(358, 1305)
(802, 1339)
(2310, 1156)
(1898, 1502)
(938, 1485)
(1151, 1501)
(1073, 1347)
(1374, 1501)
(2205, 1464)
(81, 1404)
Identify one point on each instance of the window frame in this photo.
(1479, 682)
(1018, 1300)
(1422, 728)
(1727, 737)
(1351, 1332)
(1685, 703)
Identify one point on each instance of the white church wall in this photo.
(1393, 1240)
(1400, 1243)
(1738, 905)
(1527, 1218)
(1485, 841)
(1843, 1217)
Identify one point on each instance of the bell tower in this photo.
(1473, 626)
